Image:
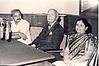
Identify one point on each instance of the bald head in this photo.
(52, 15)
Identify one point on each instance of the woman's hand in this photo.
(66, 56)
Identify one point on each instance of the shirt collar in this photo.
(53, 23)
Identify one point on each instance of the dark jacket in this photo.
(46, 40)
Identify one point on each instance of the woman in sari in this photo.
(80, 47)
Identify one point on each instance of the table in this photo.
(17, 53)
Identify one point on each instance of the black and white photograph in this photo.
(49, 32)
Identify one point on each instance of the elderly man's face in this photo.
(17, 17)
(52, 16)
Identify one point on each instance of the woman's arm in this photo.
(89, 49)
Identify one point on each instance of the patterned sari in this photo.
(77, 45)
(78, 50)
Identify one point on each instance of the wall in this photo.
(91, 15)
(70, 24)
(40, 6)
(37, 20)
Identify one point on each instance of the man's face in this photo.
(17, 16)
(51, 17)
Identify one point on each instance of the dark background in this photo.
(91, 15)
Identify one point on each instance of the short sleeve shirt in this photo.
(23, 27)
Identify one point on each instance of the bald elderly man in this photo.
(52, 35)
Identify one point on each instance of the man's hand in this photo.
(23, 36)
(19, 35)
(33, 45)
(15, 35)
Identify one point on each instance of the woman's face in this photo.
(80, 27)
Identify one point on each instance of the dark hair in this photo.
(89, 30)
(16, 10)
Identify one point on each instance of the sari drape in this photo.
(77, 45)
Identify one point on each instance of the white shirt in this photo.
(23, 27)
(51, 24)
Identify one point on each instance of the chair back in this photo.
(35, 31)
(63, 43)
(93, 61)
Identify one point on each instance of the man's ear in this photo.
(11, 18)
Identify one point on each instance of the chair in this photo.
(56, 52)
(62, 45)
(93, 61)
(34, 32)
